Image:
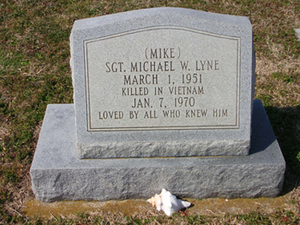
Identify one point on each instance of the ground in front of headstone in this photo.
(140, 207)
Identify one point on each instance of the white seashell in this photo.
(155, 201)
(168, 202)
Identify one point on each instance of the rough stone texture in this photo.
(167, 137)
(163, 148)
(58, 174)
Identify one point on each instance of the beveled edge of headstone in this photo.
(86, 29)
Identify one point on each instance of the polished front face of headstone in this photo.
(163, 78)
(162, 82)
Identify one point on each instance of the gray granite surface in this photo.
(58, 174)
(113, 79)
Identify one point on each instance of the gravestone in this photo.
(157, 84)
(154, 90)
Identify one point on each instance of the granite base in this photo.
(58, 174)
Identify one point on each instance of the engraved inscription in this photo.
(157, 79)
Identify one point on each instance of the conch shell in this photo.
(168, 202)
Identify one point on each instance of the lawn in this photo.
(35, 71)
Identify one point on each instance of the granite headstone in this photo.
(154, 89)
(166, 82)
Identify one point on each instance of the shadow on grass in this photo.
(286, 126)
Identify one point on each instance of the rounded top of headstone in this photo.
(163, 16)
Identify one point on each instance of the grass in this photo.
(34, 72)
